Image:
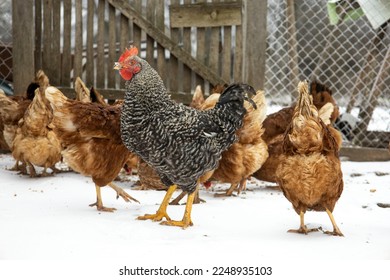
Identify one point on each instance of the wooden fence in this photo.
(203, 43)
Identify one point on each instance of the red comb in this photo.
(128, 52)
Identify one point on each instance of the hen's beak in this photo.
(250, 100)
(117, 66)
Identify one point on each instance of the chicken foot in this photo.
(186, 221)
(99, 202)
(302, 229)
(162, 210)
(21, 167)
(121, 193)
(336, 231)
(239, 187)
(31, 170)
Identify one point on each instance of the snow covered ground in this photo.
(43, 219)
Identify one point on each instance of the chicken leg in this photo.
(302, 229)
(162, 210)
(121, 193)
(336, 230)
(186, 221)
(99, 202)
(21, 167)
(197, 199)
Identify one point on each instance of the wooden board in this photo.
(365, 154)
(113, 94)
(207, 15)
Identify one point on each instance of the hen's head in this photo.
(128, 63)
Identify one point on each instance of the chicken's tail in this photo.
(96, 97)
(252, 128)
(308, 124)
(62, 119)
(305, 105)
(42, 79)
(197, 98)
(82, 92)
(56, 98)
(231, 104)
(259, 110)
(38, 111)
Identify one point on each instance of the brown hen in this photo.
(309, 172)
(35, 142)
(276, 124)
(91, 142)
(249, 153)
(12, 109)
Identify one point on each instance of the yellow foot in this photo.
(102, 208)
(184, 223)
(155, 217)
(303, 230)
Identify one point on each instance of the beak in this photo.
(247, 98)
(117, 66)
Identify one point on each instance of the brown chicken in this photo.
(31, 137)
(91, 141)
(249, 153)
(309, 172)
(276, 124)
(12, 109)
(86, 95)
(35, 142)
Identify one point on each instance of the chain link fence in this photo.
(351, 57)
(5, 46)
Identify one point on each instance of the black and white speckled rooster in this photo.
(181, 143)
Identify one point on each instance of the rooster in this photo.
(180, 143)
(309, 172)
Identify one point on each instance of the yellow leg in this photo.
(336, 230)
(186, 221)
(99, 202)
(121, 193)
(162, 210)
(302, 229)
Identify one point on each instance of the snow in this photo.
(48, 218)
